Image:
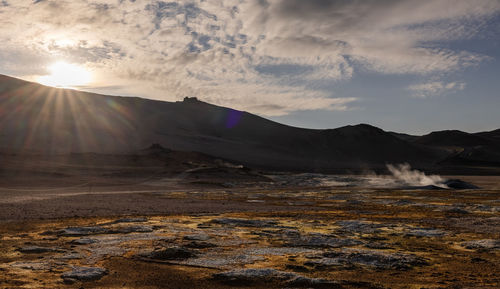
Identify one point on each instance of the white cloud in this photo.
(257, 55)
(435, 88)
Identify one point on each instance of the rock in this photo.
(130, 229)
(291, 233)
(339, 197)
(256, 201)
(356, 226)
(364, 284)
(374, 238)
(236, 242)
(71, 256)
(379, 260)
(33, 265)
(378, 245)
(254, 275)
(297, 268)
(460, 185)
(117, 245)
(38, 250)
(279, 251)
(313, 256)
(50, 238)
(96, 230)
(488, 244)
(83, 274)
(83, 241)
(321, 241)
(171, 253)
(425, 232)
(300, 203)
(326, 262)
(200, 245)
(456, 210)
(302, 281)
(403, 202)
(354, 202)
(81, 231)
(478, 260)
(164, 241)
(267, 275)
(220, 260)
(197, 237)
(244, 222)
(485, 208)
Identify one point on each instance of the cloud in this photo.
(384, 36)
(257, 55)
(435, 88)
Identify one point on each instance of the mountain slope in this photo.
(465, 150)
(493, 135)
(453, 138)
(38, 118)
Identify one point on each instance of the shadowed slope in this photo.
(479, 149)
(50, 120)
(453, 138)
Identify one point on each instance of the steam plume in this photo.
(406, 175)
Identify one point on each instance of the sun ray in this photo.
(66, 75)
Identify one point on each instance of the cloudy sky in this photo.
(409, 66)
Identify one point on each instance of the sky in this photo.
(402, 65)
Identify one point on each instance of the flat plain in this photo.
(287, 235)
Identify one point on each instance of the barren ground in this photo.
(151, 235)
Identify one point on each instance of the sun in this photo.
(67, 75)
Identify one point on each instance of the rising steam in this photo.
(404, 174)
(402, 177)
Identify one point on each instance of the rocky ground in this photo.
(323, 237)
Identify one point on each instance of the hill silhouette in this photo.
(454, 138)
(36, 118)
(466, 150)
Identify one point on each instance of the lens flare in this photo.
(68, 75)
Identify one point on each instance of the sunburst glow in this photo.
(63, 74)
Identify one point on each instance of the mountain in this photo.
(453, 138)
(404, 136)
(493, 135)
(36, 118)
(465, 149)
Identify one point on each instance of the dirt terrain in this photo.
(156, 235)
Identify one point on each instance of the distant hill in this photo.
(478, 150)
(453, 138)
(57, 121)
(404, 136)
(493, 135)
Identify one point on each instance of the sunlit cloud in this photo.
(66, 75)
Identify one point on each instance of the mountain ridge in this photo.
(52, 120)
